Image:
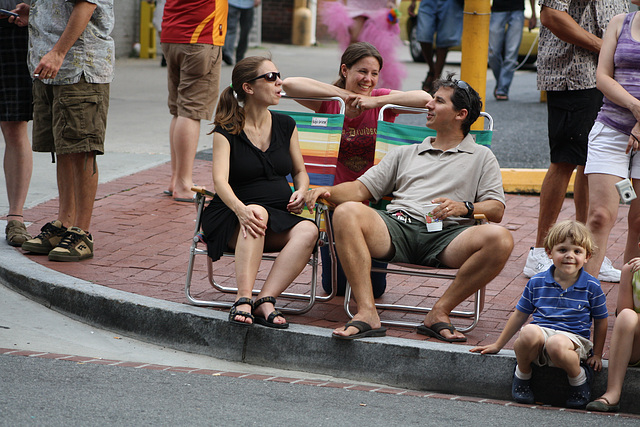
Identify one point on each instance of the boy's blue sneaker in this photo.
(521, 390)
(580, 395)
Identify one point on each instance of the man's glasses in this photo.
(270, 77)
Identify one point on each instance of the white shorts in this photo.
(583, 346)
(606, 153)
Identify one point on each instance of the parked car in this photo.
(408, 32)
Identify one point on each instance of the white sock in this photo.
(579, 380)
(521, 375)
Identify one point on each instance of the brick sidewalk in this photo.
(143, 237)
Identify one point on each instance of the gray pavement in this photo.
(137, 140)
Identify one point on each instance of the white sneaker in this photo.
(537, 262)
(608, 273)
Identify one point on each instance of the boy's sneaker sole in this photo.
(76, 245)
(50, 236)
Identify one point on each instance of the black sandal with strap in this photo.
(235, 312)
(275, 313)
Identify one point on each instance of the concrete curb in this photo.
(418, 365)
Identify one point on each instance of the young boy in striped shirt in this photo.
(562, 300)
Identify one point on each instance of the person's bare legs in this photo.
(18, 165)
(552, 195)
(356, 28)
(248, 255)
(441, 57)
(295, 248)
(528, 346)
(562, 353)
(603, 212)
(480, 253)
(427, 54)
(77, 186)
(581, 195)
(184, 145)
(172, 182)
(360, 234)
(625, 347)
(633, 230)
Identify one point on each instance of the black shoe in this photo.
(227, 59)
(163, 61)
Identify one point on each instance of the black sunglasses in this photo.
(465, 87)
(270, 77)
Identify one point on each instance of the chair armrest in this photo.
(480, 218)
(203, 191)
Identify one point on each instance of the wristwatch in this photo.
(470, 209)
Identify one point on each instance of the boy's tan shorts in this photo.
(193, 72)
(71, 118)
(582, 346)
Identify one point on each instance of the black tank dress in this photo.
(256, 177)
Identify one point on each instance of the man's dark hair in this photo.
(464, 96)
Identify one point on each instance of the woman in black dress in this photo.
(253, 211)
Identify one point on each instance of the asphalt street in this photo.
(61, 393)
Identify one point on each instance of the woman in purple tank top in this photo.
(615, 137)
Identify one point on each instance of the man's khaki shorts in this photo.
(70, 119)
(193, 72)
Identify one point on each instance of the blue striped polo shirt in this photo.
(568, 309)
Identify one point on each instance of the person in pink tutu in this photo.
(358, 76)
(372, 21)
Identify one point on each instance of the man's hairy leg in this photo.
(360, 234)
(552, 195)
(479, 253)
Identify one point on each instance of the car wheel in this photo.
(414, 44)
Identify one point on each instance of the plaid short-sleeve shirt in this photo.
(93, 54)
(564, 66)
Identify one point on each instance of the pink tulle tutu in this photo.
(376, 30)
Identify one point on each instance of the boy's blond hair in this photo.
(576, 231)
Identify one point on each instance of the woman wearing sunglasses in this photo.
(253, 152)
(360, 67)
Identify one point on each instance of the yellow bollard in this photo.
(301, 28)
(147, 30)
(475, 48)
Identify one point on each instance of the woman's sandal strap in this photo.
(242, 301)
(235, 312)
(261, 301)
(273, 315)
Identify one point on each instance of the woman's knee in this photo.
(600, 218)
(307, 232)
(627, 321)
(264, 215)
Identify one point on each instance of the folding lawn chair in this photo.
(391, 135)
(319, 136)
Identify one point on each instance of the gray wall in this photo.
(127, 28)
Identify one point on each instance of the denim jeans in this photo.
(505, 36)
(245, 18)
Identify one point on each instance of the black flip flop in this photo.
(434, 331)
(364, 330)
